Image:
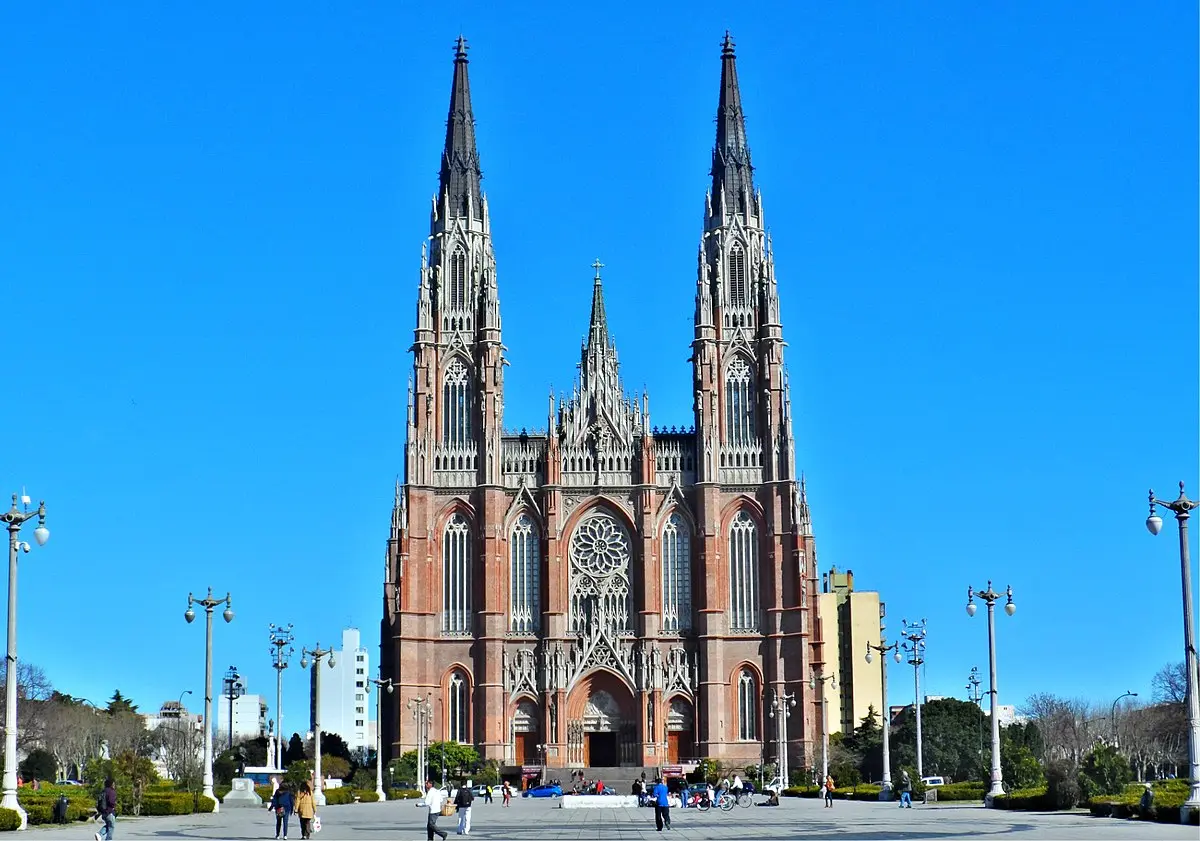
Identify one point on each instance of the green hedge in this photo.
(862, 791)
(9, 820)
(403, 794)
(1169, 796)
(172, 803)
(1025, 800)
(339, 796)
(264, 792)
(367, 796)
(960, 792)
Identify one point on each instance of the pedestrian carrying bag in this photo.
(316, 823)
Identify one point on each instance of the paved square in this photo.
(542, 819)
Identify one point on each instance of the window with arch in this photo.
(524, 587)
(456, 576)
(743, 573)
(739, 403)
(676, 575)
(456, 405)
(460, 708)
(747, 707)
(738, 296)
(457, 299)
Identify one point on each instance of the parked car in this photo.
(68, 783)
(548, 790)
(479, 790)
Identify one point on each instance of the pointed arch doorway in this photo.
(603, 731)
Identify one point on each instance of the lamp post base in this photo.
(381, 793)
(318, 798)
(9, 801)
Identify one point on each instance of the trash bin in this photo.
(60, 809)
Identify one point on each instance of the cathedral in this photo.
(606, 593)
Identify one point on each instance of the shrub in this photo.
(367, 795)
(40, 764)
(204, 804)
(339, 796)
(1023, 799)
(173, 803)
(1104, 771)
(9, 820)
(298, 772)
(264, 792)
(403, 794)
(959, 792)
(1062, 787)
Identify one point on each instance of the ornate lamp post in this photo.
(208, 603)
(1181, 508)
(914, 633)
(1113, 715)
(813, 681)
(380, 686)
(422, 710)
(885, 790)
(990, 596)
(15, 518)
(233, 691)
(281, 650)
(782, 703)
(317, 654)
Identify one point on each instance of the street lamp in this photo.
(422, 710)
(1113, 716)
(281, 649)
(816, 678)
(15, 518)
(975, 695)
(233, 691)
(208, 603)
(989, 595)
(914, 633)
(1180, 508)
(541, 749)
(380, 686)
(782, 703)
(885, 790)
(317, 654)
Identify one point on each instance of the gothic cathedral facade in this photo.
(605, 593)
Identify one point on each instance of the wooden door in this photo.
(523, 746)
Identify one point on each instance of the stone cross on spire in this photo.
(597, 266)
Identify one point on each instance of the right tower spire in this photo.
(732, 174)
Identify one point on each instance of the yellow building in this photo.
(849, 621)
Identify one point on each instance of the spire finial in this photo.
(460, 48)
(727, 45)
(597, 266)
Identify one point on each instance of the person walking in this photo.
(433, 800)
(282, 804)
(905, 790)
(306, 808)
(662, 804)
(506, 793)
(829, 789)
(487, 793)
(462, 802)
(106, 807)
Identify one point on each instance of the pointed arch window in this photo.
(524, 586)
(456, 576)
(738, 296)
(747, 707)
(457, 300)
(456, 405)
(460, 709)
(739, 403)
(676, 575)
(743, 573)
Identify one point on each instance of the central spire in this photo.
(732, 174)
(598, 328)
(460, 174)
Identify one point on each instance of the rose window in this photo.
(600, 546)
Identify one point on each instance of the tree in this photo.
(256, 750)
(33, 690)
(71, 732)
(334, 766)
(295, 750)
(120, 704)
(950, 739)
(40, 764)
(1067, 726)
(1170, 684)
(1104, 771)
(866, 742)
(334, 745)
(456, 758)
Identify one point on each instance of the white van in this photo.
(933, 781)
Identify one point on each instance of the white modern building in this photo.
(345, 692)
(248, 714)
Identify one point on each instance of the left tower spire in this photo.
(460, 195)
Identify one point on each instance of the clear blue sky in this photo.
(985, 222)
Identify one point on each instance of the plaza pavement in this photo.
(541, 819)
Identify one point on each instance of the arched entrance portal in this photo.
(526, 734)
(603, 728)
(680, 730)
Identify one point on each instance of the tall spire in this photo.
(461, 175)
(598, 327)
(733, 183)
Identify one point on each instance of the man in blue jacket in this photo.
(662, 806)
